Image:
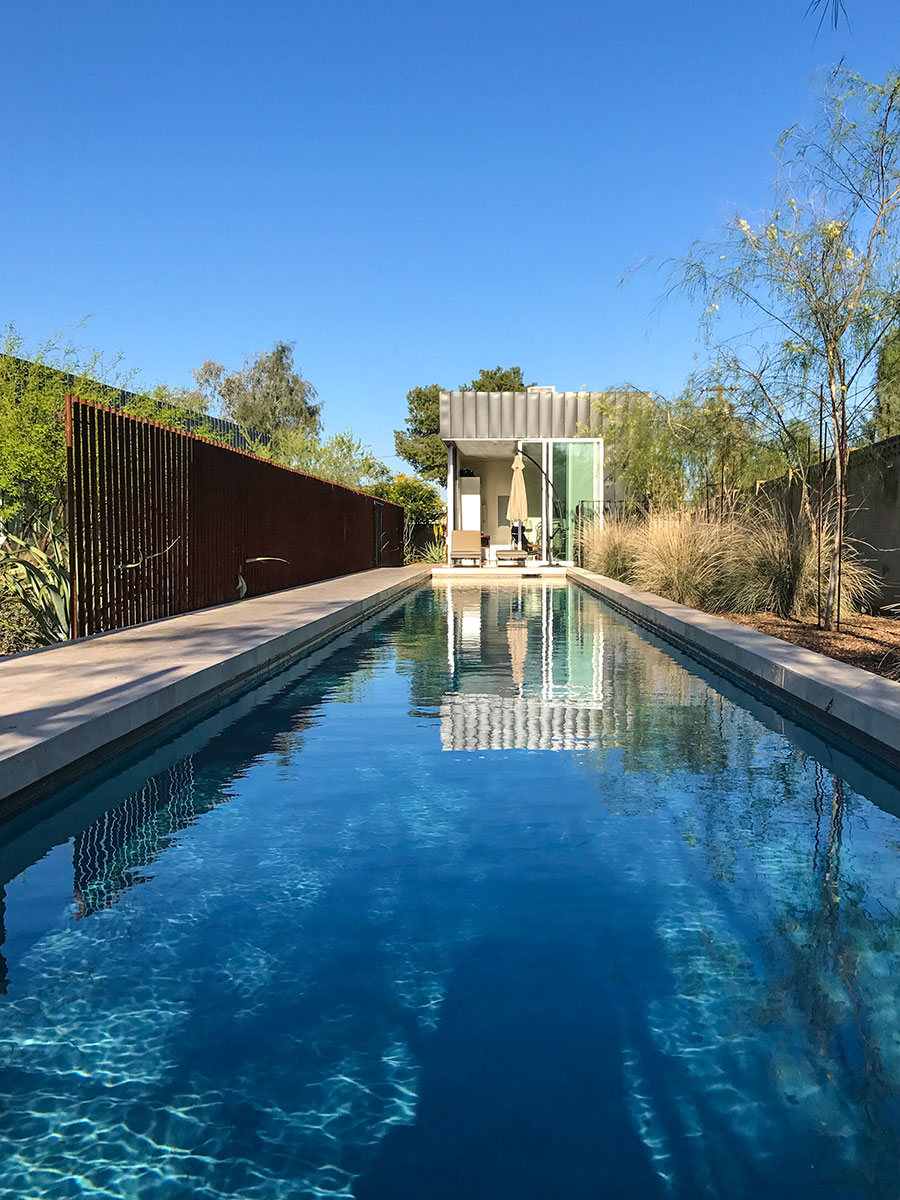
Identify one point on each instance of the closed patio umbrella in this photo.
(517, 509)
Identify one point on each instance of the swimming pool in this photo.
(494, 897)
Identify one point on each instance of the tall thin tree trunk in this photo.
(841, 461)
(805, 506)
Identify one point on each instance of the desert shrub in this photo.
(18, 629)
(687, 560)
(609, 548)
(753, 562)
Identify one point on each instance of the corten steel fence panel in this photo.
(165, 522)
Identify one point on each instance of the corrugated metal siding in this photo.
(511, 415)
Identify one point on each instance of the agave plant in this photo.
(434, 552)
(36, 574)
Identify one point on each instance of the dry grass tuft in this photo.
(610, 548)
(749, 563)
(686, 560)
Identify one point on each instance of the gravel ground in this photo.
(872, 643)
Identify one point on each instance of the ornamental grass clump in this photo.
(753, 562)
(609, 547)
(768, 566)
(859, 582)
(688, 561)
(779, 569)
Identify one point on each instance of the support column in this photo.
(601, 490)
(451, 494)
(545, 502)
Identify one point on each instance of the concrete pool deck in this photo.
(67, 708)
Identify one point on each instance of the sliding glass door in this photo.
(576, 477)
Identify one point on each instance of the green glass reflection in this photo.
(575, 479)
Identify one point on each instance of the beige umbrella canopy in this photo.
(517, 509)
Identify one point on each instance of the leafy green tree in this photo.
(34, 382)
(420, 444)
(421, 502)
(267, 394)
(178, 398)
(497, 379)
(696, 448)
(340, 458)
(886, 417)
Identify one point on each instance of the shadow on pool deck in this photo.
(522, 1092)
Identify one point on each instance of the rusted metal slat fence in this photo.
(163, 522)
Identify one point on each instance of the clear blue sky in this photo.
(409, 191)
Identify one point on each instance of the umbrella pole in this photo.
(548, 534)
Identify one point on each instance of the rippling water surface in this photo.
(493, 899)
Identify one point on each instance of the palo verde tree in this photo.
(819, 273)
(725, 452)
(696, 448)
(641, 452)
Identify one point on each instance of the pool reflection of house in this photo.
(526, 661)
(562, 450)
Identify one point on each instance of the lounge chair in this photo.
(465, 544)
(515, 556)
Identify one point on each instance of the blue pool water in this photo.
(492, 899)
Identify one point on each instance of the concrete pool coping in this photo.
(858, 706)
(65, 709)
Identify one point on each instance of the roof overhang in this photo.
(511, 416)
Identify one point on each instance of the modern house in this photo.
(562, 451)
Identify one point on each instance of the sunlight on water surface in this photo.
(492, 898)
